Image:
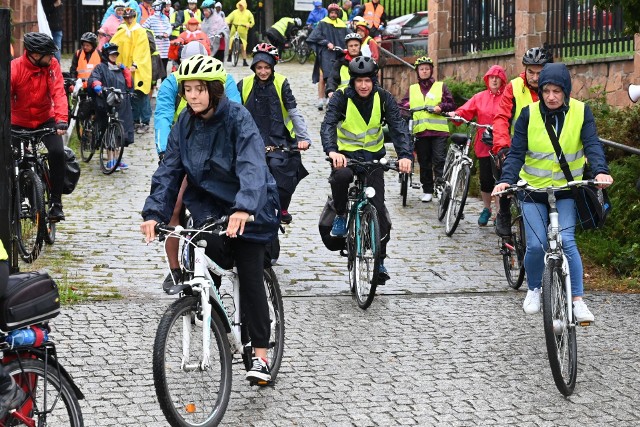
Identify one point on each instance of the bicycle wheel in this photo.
(188, 395)
(559, 331)
(513, 249)
(444, 189)
(45, 177)
(404, 186)
(29, 215)
(112, 147)
(235, 51)
(367, 260)
(287, 54)
(276, 317)
(302, 52)
(459, 192)
(85, 131)
(51, 399)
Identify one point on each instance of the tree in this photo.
(629, 12)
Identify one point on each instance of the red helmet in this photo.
(333, 6)
(268, 49)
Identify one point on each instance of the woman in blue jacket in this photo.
(218, 147)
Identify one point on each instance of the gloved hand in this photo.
(98, 89)
(62, 126)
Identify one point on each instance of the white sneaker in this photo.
(581, 312)
(532, 302)
(427, 197)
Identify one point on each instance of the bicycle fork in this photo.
(555, 246)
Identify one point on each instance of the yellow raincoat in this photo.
(133, 46)
(240, 18)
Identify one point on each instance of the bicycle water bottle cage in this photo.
(459, 138)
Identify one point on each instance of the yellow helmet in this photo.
(201, 67)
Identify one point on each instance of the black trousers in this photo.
(276, 39)
(340, 180)
(431, 152)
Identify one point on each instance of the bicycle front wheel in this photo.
(367, 257)
(85, 131)
(513, 249)
(51, 400)
(287, 54)
(188, 394)
(559, 331)
(235, 51)
(29, 215)
(303, 52)
(458, 198)
(112, 148)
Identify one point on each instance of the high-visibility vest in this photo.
(281, 25)
(278, 81)
(423, 120)
(541, 166)
(344, 77)
(145, 13)
(355, 134)
(373, 16)
(3, 253)
(521, 97)
(365, 50)
(86, 67)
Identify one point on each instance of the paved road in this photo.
(444, 343)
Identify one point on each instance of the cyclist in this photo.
(329, 33)
(483, 106)
(317, 14)
(213, 25)
(281, 31)
(158, 22)
(373, 13)
(85, 59)
(216, 144)
(268, 97)
(168, 105)
(532, 158)
(193, 34)
(10, 394)
(431, 129)
(180, 17)
(240, 21)
(111, 23)
(369, 45)
(111, 74)
(360, 109)
(38, 100)
(519, 92)
(339, 78)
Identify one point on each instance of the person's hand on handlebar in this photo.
(148, 228)
(330, 46)
(303, 145)
(500, 187)
(603, 177)
(236, 223)
(437, 109)
(404, 165)
(338, 160)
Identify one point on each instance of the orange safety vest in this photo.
(145, 12)
(371, 15)
(86, 67)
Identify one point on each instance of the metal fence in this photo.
(578, 28)
(79, 19)
(482, 25)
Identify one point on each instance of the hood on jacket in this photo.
(242, 3)
(262, 57)
(496, 70)
(558, 74)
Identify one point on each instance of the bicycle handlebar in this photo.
(218, 226)
(35, 133)
(468, 122)
(384, 163)
(282, 148)
(523, 185)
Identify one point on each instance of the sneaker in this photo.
(55, 213)
(532, 301)
(244, 63)
(285, 217)
(503, 224)
(484, 217)
(339, 227)
(11, 398)
(259, 371)
(383, 274)
(123, 165)
(136, 125)
(581, 313)
(320, 104)
(111, 163)
(172, 279)
(427, 197)
(143, 128)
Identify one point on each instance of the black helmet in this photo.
(537, 56)
(89, 38)
(363, 66)
(108, 49)
(129, 13)
(39, 43)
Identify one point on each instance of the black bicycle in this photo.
(300, 46)
(112, 138)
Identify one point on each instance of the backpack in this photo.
(324, 227)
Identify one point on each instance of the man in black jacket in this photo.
(54, 11)
(342, 122)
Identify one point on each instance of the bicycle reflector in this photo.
(370, 192)
(190, 408)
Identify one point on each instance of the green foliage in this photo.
(462, 91)
(629, 12)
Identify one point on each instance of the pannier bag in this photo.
(71, 171)
(30, 298)
(593, 206)
(324, 227)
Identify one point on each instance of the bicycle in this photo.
(557, 308)
(193, 383)
(363, 238)
(52, 397)
(454, 185)
(300, 46)
(79, 117)
(406, 179)
(236, 47)
(111, 139)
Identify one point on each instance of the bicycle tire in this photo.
(235, 51)
(444, 193)
(202, 398)
(559, 331)
(404, 187)
(29, 214)
(276, 317)
(287, 54)
(30, 373)
(367, 260)
(459, 192)
(303, 52)
(513, 249)
(86, 136)
(45, 178)
(112, 148)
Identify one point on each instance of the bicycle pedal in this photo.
(260, 383)
(584, 324)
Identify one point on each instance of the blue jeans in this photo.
(141, 106)
(536, 220)
(57, 39)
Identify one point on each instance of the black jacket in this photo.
(55, 15)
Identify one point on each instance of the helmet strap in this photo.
(38, 62)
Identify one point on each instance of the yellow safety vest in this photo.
(3, 253)
(424, 120)
(281, 25)
(344, 77)
(541, 166)
(187, 15)
(278, 81)
(521, 97)
(354, 134)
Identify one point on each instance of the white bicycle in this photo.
(192, 361)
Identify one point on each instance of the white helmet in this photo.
(298, 22)
(192, 48)
(192, 1)
(118, 3)
(218, 4)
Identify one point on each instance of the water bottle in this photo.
(25, 336)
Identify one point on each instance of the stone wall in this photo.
(24, 17)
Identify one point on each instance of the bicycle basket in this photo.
(114, 99)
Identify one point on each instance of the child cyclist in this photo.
(216, 144)
(268, 97)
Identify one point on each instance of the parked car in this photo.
(392, 31)
(418, 26)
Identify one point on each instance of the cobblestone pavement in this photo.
(444, 343)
